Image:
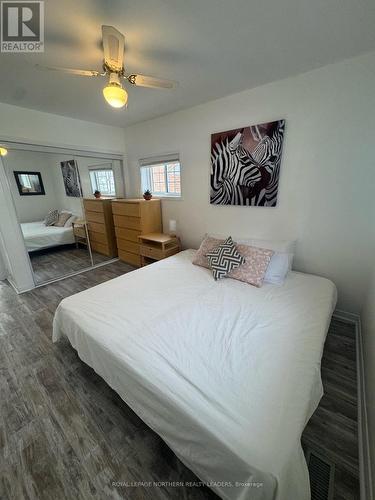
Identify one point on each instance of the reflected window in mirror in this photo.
(103, 180)
(29, 183)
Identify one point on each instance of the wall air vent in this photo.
(322, 474)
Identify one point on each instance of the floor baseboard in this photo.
(366, 487)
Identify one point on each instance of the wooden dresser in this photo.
(132, 218)
(98, 214)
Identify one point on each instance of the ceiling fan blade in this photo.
(151, 82)
(113, 46)
(70, 71)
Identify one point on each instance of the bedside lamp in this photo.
(172, 227)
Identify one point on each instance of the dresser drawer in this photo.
(155, 253)
(94, 216)
(126, 221)
(128, 246)
(98, 237)
(127, 234)
(131, 209)
(96, 227)
(100, 248)
(130, 258)
(93, 206)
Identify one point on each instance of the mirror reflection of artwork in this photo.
(71, 178)
(29, 183)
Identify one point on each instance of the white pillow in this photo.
(282, 246)
(278, 246)
(278, 268)
(70, 221)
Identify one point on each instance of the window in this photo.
(162, 178)
(102, 179)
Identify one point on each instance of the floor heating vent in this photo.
(322, 474)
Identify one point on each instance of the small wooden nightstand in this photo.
(80, 233)
(157, 246)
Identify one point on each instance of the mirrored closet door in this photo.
(102, 181)
(63, 207)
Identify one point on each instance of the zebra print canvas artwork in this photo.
(71, 178)
(245, 165)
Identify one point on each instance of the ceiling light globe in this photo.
(3, 151)
(115, 95)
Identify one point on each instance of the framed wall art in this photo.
(245, 165)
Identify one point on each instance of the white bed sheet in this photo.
(38, 236)
(226, 373)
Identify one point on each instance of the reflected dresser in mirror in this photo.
(98, 214)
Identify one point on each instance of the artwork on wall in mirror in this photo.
(29, 183)
(245, 165)
(72, 181)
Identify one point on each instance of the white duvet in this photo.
(38, 236)
(226, 373)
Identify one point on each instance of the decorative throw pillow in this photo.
(63, 217)
(224, 259)
(207, 245)
(51, 217)
(255, 266)
(70, 221)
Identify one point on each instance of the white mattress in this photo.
(226, 373)
(37, 235)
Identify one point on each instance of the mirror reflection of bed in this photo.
(48, 191)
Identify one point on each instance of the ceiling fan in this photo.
(113, 69)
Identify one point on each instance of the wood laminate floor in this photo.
(64, 434)
(332, 430)
(63, 260)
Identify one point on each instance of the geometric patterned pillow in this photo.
(51, 218)
(224, 259)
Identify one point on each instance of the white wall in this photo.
(31, 208)
(49, 129)
(327, 175)
(34, 208)
(368, 335)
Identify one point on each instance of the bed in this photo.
(38, 236)
(226, 373)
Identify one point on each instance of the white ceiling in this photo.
(212, 47)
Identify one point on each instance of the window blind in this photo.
(157, 160)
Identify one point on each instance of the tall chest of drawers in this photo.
(132, 218)
(98, 214)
